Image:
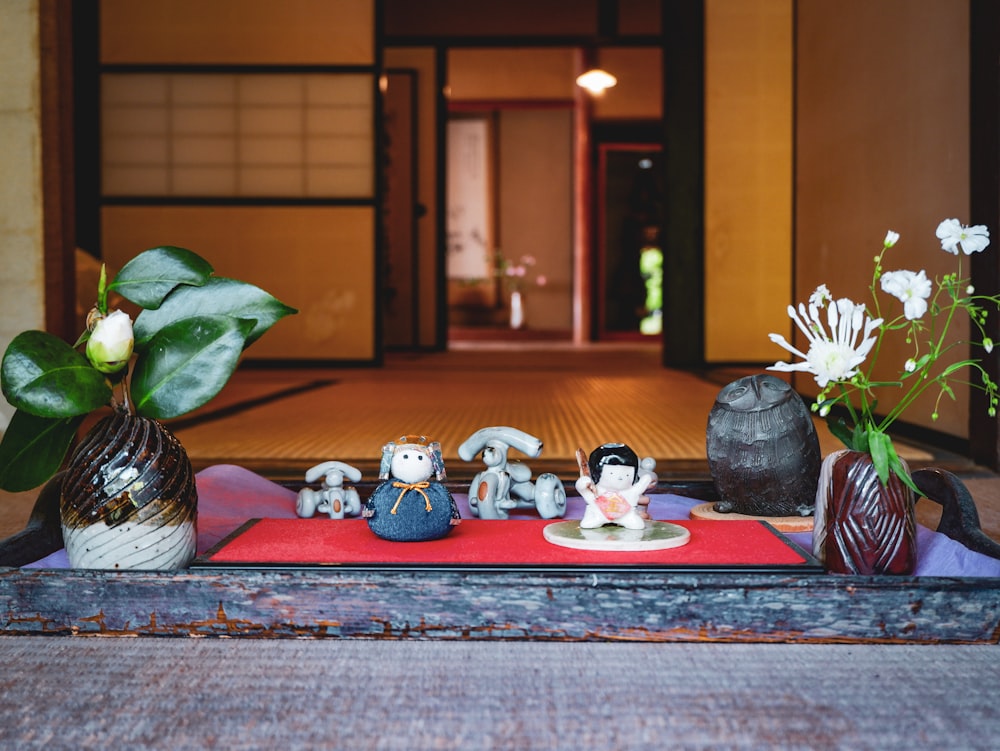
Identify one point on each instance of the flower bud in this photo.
(111, 341)
(987, 344)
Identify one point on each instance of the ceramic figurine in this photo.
(412, 504)
(647, 467)
(763, 452)
(504, 485)
(612, 482)
(333, 499)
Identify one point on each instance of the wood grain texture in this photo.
(456, 605)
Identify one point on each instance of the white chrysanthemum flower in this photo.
(833, 356)
(820, 297)
(953, 234)
(910, 289)
(891, 238)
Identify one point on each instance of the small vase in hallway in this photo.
(516, 310)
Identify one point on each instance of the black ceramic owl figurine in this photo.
(763, 451)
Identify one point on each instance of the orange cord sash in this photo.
(418, 486)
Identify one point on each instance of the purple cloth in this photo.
(229, 495)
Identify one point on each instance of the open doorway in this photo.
(629, 283)
(510, 222)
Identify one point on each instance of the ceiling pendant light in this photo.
(596, 81)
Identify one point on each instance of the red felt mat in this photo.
(475, 542)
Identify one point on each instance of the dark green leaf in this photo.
(219, 296)
(900, 470)
(151, 275)
(33, 448)
(43, 375)
(186, 364)
(860, 439)
(956, 366)
(840, 431)
(877, 447)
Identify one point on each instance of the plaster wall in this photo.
(22, 293)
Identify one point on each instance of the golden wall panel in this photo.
(748, 177)
(317, 259)
(244, 32)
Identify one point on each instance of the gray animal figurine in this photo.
(763, 452)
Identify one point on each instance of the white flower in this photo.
(111, 340)
(820, 297)
(910, 365)
(891, 238)
(987, 344)
(952, 233)
(910, 289)
(834, 356)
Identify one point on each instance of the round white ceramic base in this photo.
(654, 536)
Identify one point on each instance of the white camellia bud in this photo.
(111, 341)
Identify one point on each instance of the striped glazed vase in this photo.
(129, 499)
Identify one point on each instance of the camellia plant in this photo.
(845, 339)
(181, 350)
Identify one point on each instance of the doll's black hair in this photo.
(611, 453)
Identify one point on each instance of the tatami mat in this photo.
(568, 397)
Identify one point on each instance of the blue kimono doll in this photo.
(409, 506)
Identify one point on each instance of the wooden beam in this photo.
(684, 178)
(58, 203)
(984, 191)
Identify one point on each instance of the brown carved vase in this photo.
(862, 526)
(128, 498)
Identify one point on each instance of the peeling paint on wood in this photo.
(494, 605)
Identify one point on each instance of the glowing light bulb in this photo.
(596, 81)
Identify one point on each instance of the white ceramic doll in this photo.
(612, 485)
(412, 504)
